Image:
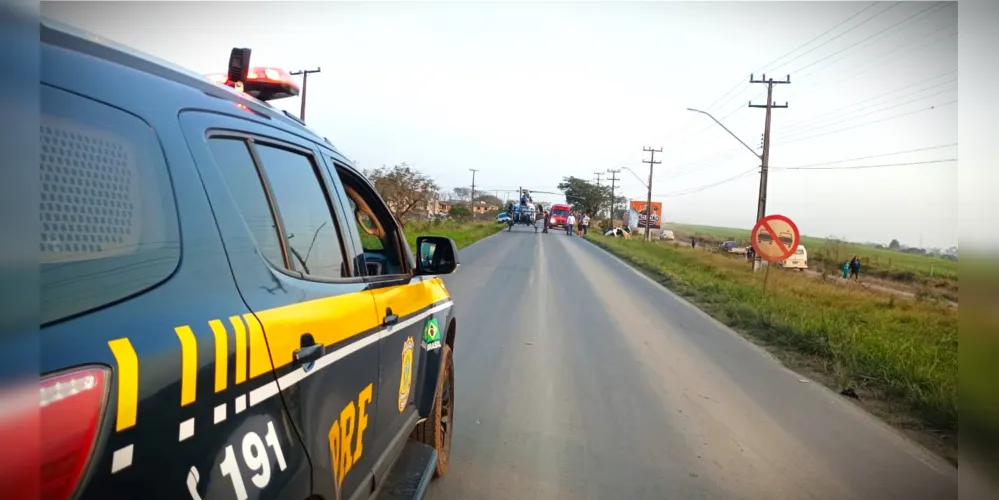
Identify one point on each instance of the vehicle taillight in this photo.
(72, 403)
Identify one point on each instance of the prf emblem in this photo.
(406, 377)
(432, 335)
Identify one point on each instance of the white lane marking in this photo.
(186, 429)
(122, 458)
(271, 389)
(240, 403)
(220, 413)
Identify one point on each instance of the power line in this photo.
(747, 172)
(707, 186)
(768, 65)
(875, 35)
(913, 52)
(822, 115)
(868, 123)
(820, 125)
(702, 164)
(851, 47)
(813, 49)
(874, 62)
(876, 156)
(882, 165)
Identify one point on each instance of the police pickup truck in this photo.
(230, 311)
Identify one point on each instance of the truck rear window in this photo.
(108, 224)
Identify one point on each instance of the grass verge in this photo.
(463, 233)
(901, 352)
(933, 272)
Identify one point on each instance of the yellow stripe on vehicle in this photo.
(408, 299)
(435, 288)
(221, 354)
(329, 320)
(128, 382)
(403, 299)
(240, 335)
(189, 364)
(260, 359)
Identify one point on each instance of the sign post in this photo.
(775, 238)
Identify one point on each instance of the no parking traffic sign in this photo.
(775, 238)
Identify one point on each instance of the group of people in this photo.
(852, 269)
(581, 226)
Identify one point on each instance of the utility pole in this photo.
(473, 170)
(761, 207)
(648, 206)
(305, 82)
(613, 177)
(599, 175)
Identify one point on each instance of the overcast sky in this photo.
(530, 93)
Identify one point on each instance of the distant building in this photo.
(436, 206)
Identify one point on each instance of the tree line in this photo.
(408, 192)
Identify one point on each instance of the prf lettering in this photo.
(353, 417)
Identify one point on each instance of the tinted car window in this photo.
(107, 217)
(241, 175)
(310, 233)
(560, 213)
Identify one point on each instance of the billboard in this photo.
(637, 210)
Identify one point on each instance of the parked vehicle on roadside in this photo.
(558, 215)
(799, 260)
(228, 308)
(732, 247)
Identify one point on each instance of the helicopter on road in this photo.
(527, 212)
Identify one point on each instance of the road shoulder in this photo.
(812, 367)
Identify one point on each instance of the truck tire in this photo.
(437, 429)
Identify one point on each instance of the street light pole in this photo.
(756, 262)
(305, 83)
(705, 113)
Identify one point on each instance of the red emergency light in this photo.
(264, 83)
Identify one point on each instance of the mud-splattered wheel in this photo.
(436, 430)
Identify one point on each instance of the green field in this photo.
(903, 351)
(463, 233)
(879, 262)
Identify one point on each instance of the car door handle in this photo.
(309, 352)
(390, 319)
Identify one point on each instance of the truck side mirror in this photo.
(435, 255)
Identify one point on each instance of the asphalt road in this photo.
(578, 378)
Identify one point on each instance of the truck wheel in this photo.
(436, 430)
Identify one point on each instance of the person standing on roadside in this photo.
(569, 222)
(545, 230)
(846, 270)
(586, 224)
